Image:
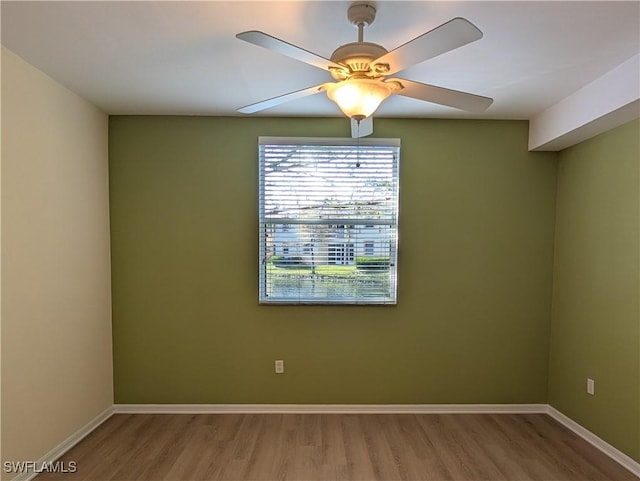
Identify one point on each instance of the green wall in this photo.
(475, 271)
(595, 328)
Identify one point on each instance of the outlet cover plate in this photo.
(591, 386)
(279, 366)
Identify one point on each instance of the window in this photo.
(334, 204)
(341, 254)
(368, 248)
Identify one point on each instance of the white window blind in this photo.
(328, 213)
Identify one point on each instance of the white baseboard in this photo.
(596, 441)
(328, 408)
(67, 444)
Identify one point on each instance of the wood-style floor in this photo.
(305, 447)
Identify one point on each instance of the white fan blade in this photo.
(267, 41)
(272, 102)
(442, 96)
(448, 36)
(361, 128)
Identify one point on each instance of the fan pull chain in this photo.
(358, 143)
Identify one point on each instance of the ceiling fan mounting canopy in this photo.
(361, 13)
(361, 68)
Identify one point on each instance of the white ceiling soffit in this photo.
(163, 57)
(605, 103)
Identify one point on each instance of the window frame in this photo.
(387, 225)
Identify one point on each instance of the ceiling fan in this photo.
(363, 70)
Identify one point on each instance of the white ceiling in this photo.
(150, 57)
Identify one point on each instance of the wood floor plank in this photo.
(358, 461)
(261, 461)
(502, 454)
(186, 463)
(535, 463)
(243, 446)
(551, 451)
(413, 458)
(384, 463)
(444, 448)
(340, 447)
(471, 437)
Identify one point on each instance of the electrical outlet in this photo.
(279, 366)
(591, 386)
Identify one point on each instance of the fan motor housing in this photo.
(358, 57)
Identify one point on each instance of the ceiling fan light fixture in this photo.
(360, 97)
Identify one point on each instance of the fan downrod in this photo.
(357, 56)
